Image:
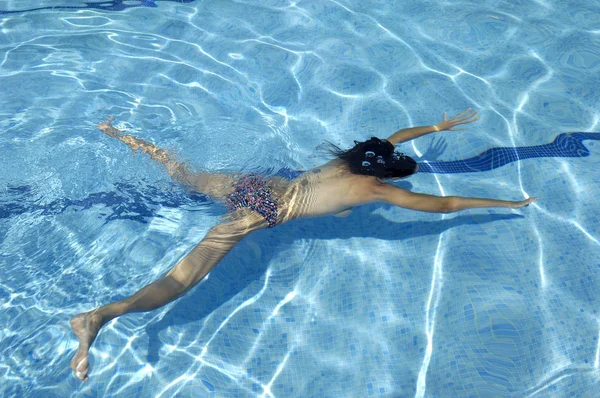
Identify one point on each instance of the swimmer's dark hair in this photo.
(374, 157)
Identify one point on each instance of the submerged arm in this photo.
(410, 134)
(446, 124)
(440, 204)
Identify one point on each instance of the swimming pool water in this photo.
(385, 302)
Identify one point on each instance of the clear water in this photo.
(386, 302)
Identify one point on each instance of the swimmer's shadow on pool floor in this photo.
(226, 280)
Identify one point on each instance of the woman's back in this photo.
(327, 189)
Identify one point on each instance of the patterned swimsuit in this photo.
(252, 191)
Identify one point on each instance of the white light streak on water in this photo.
(246, 303)
(594, 124)
(435, 293)
(191, 84)
(73, 21)
(205, 61)
(597, 361)
(554, 376)
(177, 382)
(573, 222)
(514, 131)
(256, 344)
(267, 388)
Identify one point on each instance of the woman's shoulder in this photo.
(334, 166)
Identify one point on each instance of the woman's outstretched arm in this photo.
(415, 132)
(439, 204)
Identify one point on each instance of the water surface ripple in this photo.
(385, 302)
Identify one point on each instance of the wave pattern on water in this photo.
(126, 202)
(110, 5)
(385, 302)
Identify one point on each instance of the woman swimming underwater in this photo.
(356, 176)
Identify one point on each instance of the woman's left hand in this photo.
(523, 203)
(457, 120)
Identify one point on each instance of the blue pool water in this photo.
(385, 302)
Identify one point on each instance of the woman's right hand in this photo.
(456, 120)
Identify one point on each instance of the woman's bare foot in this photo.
(85, 326)
(108, 128)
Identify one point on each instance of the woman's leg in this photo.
(183, 276)
(218, 185)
